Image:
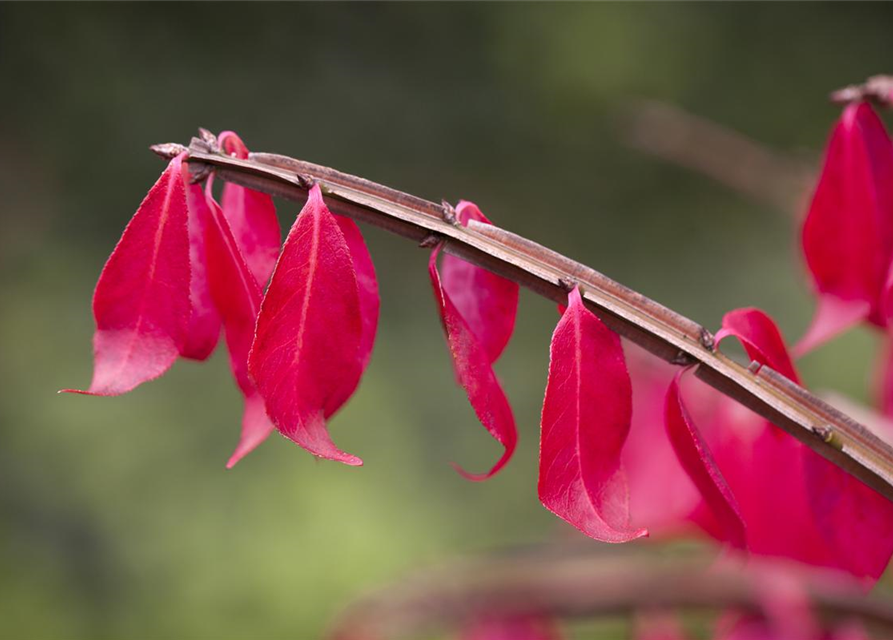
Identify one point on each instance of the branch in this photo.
(574, 585)
(762, 174)
(654, 327)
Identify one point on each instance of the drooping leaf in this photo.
(585, 421)
(487, 302)
(204, 319)
(848, 232)
(474, 372)
(698, 462)
(252, 218)
(237, 296)
(141, 302)
(309, 331)
(367, 285)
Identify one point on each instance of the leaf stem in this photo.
(656, 328)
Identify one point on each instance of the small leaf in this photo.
(309, 331)
(474, 372)
(237, 296)
(251, 216)
(204, 320)
(141, 302)
(586, 418)
(761, 339)
(698, 462)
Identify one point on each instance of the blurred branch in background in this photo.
(573, 583)
(658, 329)
(760, 173)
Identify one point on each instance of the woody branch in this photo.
(656, 328)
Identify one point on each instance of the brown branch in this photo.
(576, 585)
(659, 330)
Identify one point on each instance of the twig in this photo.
(656, 328)
(586, 586)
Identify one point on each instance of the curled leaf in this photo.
(487, 302)
(585, 421)
(252, 217)
(695, 457)
(141, 303)
(474, 372)
(761, 339)
(309, 330)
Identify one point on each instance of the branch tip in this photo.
(168, 150)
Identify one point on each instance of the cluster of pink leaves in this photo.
(300, 323)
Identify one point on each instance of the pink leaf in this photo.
(309, 331)
(474, 372)
(487, 302)
(698, 462)
(369, 306)
(237, 296)
(252, 217)
(586, 418)
(848, 232)
(204, 321)
(141, 303)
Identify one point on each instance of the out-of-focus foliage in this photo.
(117, 518)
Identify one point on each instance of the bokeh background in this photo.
(117, 517)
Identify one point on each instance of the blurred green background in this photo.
(117, 517)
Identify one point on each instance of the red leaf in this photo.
(204, 321)
(487, 302)
(369, 306)
(848, 233)
(237, 296)
(585, 421)
(698, 462)
(474, 372)
(252, 218)
(141, 303)
(309, 330)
